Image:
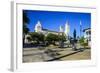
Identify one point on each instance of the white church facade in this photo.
(39, 29)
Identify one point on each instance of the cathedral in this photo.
(39, 29)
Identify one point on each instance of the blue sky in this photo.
(52, 20)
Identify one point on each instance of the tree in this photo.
(74, 34)
(62, 39)
(38, 37)
(25, 18)
(82, 42)
(25, 22)
(35, 36)
(25, 29)
(41, 37)
(29, 38)
(73, 41)
(52, 38)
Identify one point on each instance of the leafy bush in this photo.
(51, 38)
(29, 38)
(39, 37)
(82, 42)
(62, 38)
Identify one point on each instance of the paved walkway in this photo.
(62, 54)
(85, 55)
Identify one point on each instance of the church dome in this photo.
(38, 27)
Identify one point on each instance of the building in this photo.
(39, 29)
(87, 35)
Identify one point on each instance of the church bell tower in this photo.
(67, 29)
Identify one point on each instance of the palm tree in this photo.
(25, 22)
